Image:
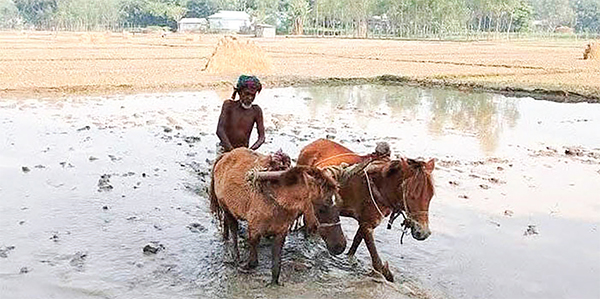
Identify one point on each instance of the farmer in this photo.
(239, 116)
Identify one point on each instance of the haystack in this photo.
(592, 51)
(235, 56)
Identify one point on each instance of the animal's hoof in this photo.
(247, 267)
(387, 273)
(273, 284)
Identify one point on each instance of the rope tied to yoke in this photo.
(409, 221)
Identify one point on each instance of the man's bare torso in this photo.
(240, 123)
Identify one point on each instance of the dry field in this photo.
(99, 63)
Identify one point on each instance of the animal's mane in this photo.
(421, 179)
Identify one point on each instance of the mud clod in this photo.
(65, 164)
(153, 248)
(573, 152)
(104, 183)
(196, 228)
(54, 237)
(78, 260)
(531, 230)
(5, 250)
(192, 139)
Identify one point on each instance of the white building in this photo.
(264, 30)
(232, 21)
(192, 24)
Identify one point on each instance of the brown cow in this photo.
(271, 201)
(391, 187)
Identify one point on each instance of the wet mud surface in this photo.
(105, 197)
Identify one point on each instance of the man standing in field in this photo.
(238, 117)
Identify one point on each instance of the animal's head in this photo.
(309, 190)
(323, 190)
(413, 184)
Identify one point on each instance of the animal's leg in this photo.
(233, 227)
(253, 240)
(377, 264)
(276, 267)
(356, 242)
(226, 227)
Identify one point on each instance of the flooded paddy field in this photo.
(86, 183)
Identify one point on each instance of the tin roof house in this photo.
(192, 25)
(229, 21)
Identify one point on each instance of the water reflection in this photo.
(481, 114)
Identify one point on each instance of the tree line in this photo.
(359, 18)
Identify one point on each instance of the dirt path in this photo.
(98, 63)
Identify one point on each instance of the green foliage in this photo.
(9, 15)
(87, 15)
(553, 13)
(36, 12)
(200, 8)
(144, 13)
(406, 18)
(587, 13)
(265, 11)
(298, 11)
(523, 15)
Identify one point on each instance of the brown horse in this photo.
(240, 192)
(389, 187)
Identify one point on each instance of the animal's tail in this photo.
(215, 208)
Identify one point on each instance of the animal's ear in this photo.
(393, 167)
(429, 166)
(404, 163)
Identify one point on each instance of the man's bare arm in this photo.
(221, 127)
(260, 127)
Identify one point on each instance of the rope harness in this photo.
(330, 224)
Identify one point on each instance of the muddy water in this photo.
(87, 183)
